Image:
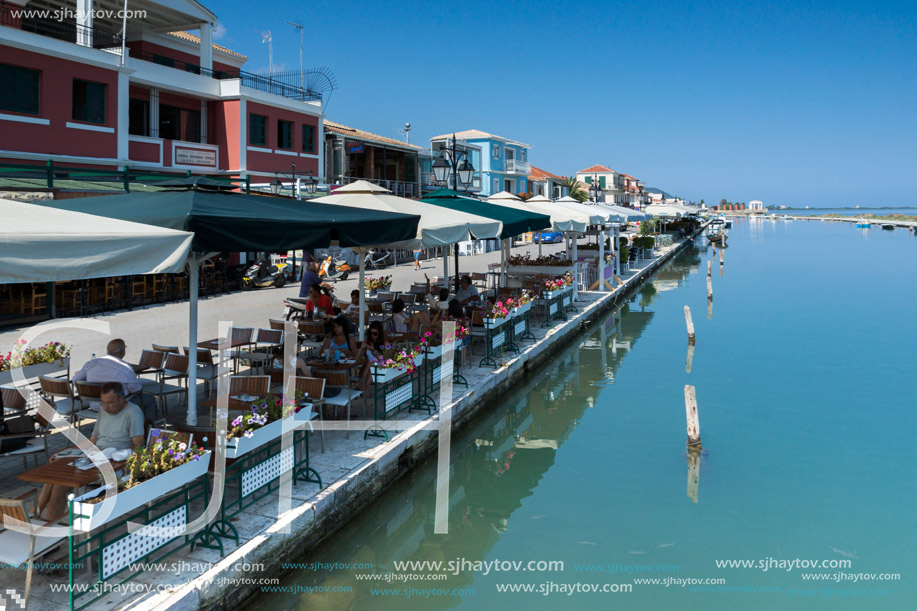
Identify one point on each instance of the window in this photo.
(284, 134)
(496, 151)
(308, 138)
(19, 92)
(89, 101)
(176, 123)
(521, 154)
(257, 129)
(139, 124)
(496, 185)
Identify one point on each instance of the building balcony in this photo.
(278, 84)
(19, 18)
(514, 166)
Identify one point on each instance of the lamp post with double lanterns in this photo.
(454, 159)
(277, 186)
(595, 188)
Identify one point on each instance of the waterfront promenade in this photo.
(353, 470)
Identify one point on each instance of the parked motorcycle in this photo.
(334, 270)
(294, 308)
(262, 275)
(376, 259)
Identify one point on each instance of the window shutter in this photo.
(602, 181)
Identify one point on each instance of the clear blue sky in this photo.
(788, 102)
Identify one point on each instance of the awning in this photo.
(516, 221)
(38, 244)
(438, 226)
(250, 223)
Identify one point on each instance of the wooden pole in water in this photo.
(690, 324)
(721, 255)
(690, 360)
(693, 421)
(709, 269)
(709, 309)
(693, 474)
(709, 289)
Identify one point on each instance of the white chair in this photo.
(22, 548)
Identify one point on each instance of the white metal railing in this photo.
(518, 167)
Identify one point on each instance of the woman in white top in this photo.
(401, 323)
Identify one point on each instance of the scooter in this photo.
(294, 308)
(376, 260)
(262, 275)
(334, 270)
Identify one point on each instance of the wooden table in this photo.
(233, 403)
(214, 344)
(61, 472)
(335, 366)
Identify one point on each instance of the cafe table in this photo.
(61, 472)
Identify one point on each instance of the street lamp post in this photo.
(462, 171)
(277, 186)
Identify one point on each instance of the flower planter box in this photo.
(386, 374)
(87, 516)
(543, 270)
(237, 447)
(522, 309)
(435, 352)
(551, 294)
(30, 372)
(495, 323)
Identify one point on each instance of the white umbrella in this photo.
(503, 196)
(562, 219)
(664, 210)
(597, 215)
(438, 226)
(43, 244)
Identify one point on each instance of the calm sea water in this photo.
(910, 211)
(806, 387)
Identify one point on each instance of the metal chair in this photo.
(315, 389)
(59, 393)
(22, 548)
(87, 391)
(241, 335)
(14, 407)
(206, 368)
(165, 349)
(341, 381)
(308, 331)
(267, 343)
(249, 385)
(175, 368)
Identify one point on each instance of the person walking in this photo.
(417, 253)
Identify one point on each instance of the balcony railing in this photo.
(397, 187)
(31, 20)
(518, 167)
(278, 84)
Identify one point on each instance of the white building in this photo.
(756, 205)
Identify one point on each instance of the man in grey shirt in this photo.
(120, 426)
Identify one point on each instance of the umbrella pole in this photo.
(362, 317)
(446, 266)
(575, 260)
(194, 272)
(539, 243)
(455, 250)
(602, 261)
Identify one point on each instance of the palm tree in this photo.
(576, 190)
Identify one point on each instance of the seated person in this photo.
(120, 426)
(338, 342)
(113, 368)
(371, 350)
(353, 308)
(401, 323)
(468, 294)
(319, 304)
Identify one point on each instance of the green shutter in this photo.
(588, 180)
(602, 181)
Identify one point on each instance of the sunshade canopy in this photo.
(40, 244)
(438, 226)
(516, 221)
(596, 215)
(539, 199)
(562, 219)
(628, 215)
(504, 195)
(241, 223)
(669, 210)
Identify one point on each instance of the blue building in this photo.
(500, 164)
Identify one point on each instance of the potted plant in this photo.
(526, 264)
(149, 473)
(495, 315)
(262, 423)
(523, 303)
(396, 361)
(33, 362)
(433, 341)
(373, 285)
(552, 288)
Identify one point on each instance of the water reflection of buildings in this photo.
(496, 464)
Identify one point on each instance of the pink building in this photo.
(159, 99)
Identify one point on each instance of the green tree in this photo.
(576, 189)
